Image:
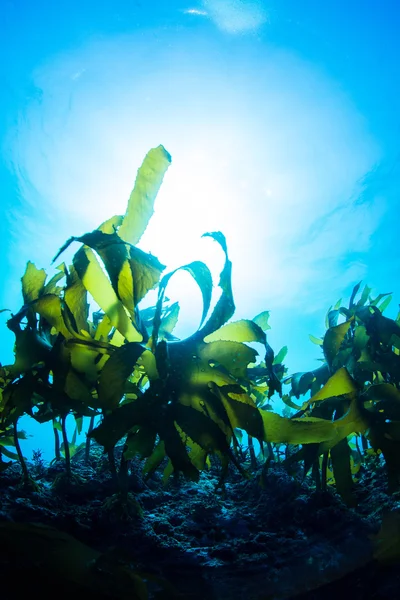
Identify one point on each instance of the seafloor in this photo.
(247, 541)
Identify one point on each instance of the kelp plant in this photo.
(178, 400)
(361, 354)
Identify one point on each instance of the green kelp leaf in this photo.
(337, 305)
(385, 303)
(115, 373)
(79, 390)
(87, 358)
(378, 327)
(132, 272)
(309, 454)
(331, 407)
(83, 571)
(257, 374)
(238, 331)
(8, 454)
(240, 408)
(281, 430)
(190, 372)
(385, 398)
(315, 340)
(155, 459)
(332, 316)
(146, 271)
(72, 448)
(68, 391)
(225, 306)
(306, 430)
(190, 379)
(141, 201)
(79, 425)
(175, 448)
(280, 357)
(57, 425)
(208, 404)
(302, 382)
(353, 422)
(338, 385)
(140, 441)
(354, 294)
(147, 314)
(360, 340)
(262, 320)
(97, 284)
(289, 402)
(168, 471)
(148, 361)
(200, 429)
(169, 320)
(32, 282)
(111, 225)
(333, 340)
(72, 445)
(50, 308)
(366, 368)
(118, 423)
(58, 403)
(51, 286)
(111, 249)
(75, 297)
(74, 435)
(131, 391)
(376, 301)
(364, 296)
(17, 399)
(245, 330)
(202, 276)
(103, 329)
(6, 440)
(340, 455)
(198, 456)
(30, 349)
(234, 356)
(395, 341)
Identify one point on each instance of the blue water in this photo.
(282, 119)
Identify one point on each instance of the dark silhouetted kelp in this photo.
(158, 402)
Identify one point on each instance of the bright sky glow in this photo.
(260, 158)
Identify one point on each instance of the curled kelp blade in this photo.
(202, 276)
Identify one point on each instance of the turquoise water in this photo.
(282, 119)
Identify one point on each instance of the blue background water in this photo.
(282, 119)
